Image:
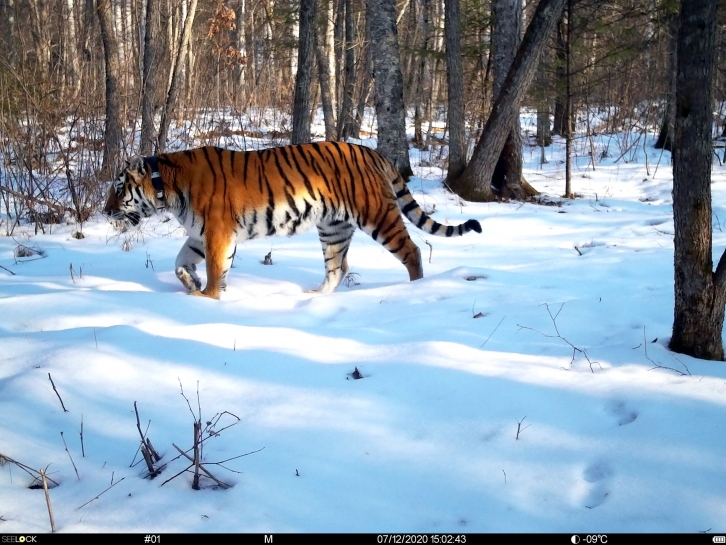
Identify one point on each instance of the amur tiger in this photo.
(223, 197)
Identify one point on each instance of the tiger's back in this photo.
(224, 196)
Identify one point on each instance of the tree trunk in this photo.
(176, 74)
(699, 293)
(71, 50)
(506, 37)
(388, 84)
(149, 80)
(455, 75)
(665, 139)
(325, 90)
(113, 134)
(322, 53)
(568, 105)
(345, 116)
(420, 72)
(306, 52)
(364, 77)
(544, 134)
(475, 182)
(559, 126)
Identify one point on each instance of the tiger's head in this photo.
(131, 195)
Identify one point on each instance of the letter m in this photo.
(268, 539)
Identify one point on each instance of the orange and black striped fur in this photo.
(224, 196)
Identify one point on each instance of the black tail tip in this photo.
(473, 225)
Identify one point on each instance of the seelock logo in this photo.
(19, 539)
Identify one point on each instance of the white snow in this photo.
(426, 441)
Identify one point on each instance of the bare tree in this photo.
(346, 108)
(175, 78)
(322, 54)
(388, 84)
(113, 132)
(699, 292)
(665, 136)
(301, 105)
(506, 37)
(455, 75)
(149, 80)
(475, 182)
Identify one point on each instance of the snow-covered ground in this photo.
(472, 414)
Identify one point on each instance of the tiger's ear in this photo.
(136, 166)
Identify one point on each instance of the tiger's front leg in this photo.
(219, 252)
(191, 254)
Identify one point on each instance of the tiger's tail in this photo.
(410, 208)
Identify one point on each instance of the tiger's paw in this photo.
(197, 293)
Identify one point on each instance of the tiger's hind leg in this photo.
(191, 254)
(219, 252)
(392, 234)
(335, 239)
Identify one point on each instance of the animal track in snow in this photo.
(622, 412)
(598, 475)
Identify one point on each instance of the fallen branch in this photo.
(6, 269)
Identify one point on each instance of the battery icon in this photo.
(719, 539)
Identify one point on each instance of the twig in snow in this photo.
(47, 499)
(71, 457)
(559, 336)
(520, 428)
(657, 365)
(6, 269)
(505, 476)
(201, 467)
(101, 494)
(431, 249)
(56, 393)
(83, 451)
(29, 470)
(492, 333)
(147, 450)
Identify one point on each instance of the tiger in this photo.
(223, 197)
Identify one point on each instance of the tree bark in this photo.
(345, 116)
(559, 125)
(455, 80)
(325, 90)
(506, 37)
(665, 136)
(475, 182)
(306, 53)
(113, 134)
(149, 80)
(568, 105)
(544, 133)
(699, 293)
(388, 84)
(322, 53)
(176, 74)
